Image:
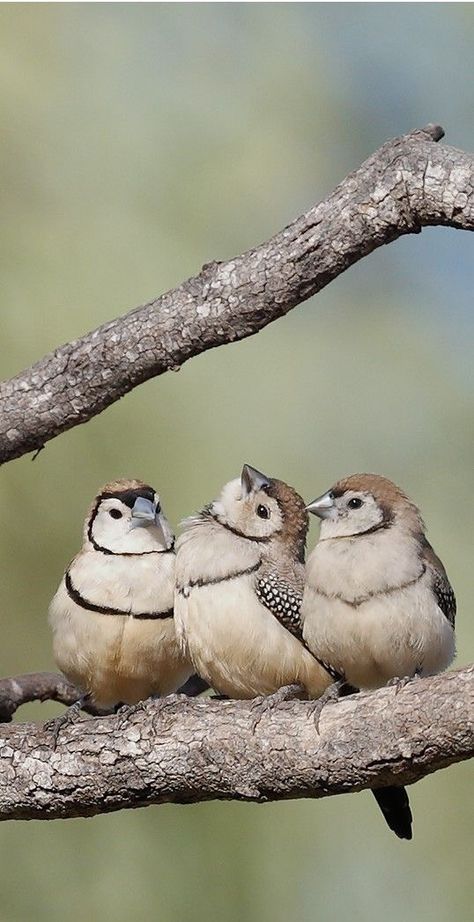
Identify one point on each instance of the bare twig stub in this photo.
(185, 750)
(410, 183)
(49, 686)
(36, 686)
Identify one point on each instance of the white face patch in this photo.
(112, 523)
(113, 530)
(353, 513)
(254, 516)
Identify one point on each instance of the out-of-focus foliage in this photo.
(140, 141)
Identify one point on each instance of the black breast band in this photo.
(199, 583)
(79, 599)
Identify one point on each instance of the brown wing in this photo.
(440, 583)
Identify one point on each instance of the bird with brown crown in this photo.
(112, 615)
(239, 584)
(378, 605)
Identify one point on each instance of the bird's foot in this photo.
(266, 704)
(71, 716)
(330, 696)
(399, 682)
(159, 703)
(125, 711)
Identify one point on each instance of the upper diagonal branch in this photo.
(408, 184)
(186, 750)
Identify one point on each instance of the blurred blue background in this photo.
(139, 142)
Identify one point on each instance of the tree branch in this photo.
(184, 750)
(49, 686)
(408, 184)
(35, 686)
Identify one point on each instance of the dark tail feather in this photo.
(194, 686)
(395, 807)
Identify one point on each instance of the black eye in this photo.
(115, 513)
(263, 512)
(355, 503)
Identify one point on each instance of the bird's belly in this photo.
(117, 658)
(395, 634)
(150, 660)
(239, 647)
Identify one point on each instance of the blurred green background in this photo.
(139, 142)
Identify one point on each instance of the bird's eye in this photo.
(355, 503)
(263, 512)
(115, 513)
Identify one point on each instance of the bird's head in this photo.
(264, 510)
(362, 504)
(126, 518)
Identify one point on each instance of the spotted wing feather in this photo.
(440, 583)
(445, 598)
(282, 599)
(284, 602)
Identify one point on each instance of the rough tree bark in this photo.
(408, 184)
(184, 750)
(180, 749)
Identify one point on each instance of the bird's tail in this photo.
(395, 806)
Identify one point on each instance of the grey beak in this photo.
(323, 505)
(143, 512)
(146, 513)
(252, 480)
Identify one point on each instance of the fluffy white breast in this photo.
(137, 584)
(354, 567)
(393, 634)
(118, 658)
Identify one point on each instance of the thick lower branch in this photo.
(408, 184)
(185, 750)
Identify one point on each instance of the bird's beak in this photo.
(146, 512)
(143, 513)
(252, 480)
(323, 506)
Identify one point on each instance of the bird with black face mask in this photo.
(239, 583)
(112, 615)
(377, 602)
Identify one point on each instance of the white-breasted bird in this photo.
(377, 602)
(112, 615)
(239, 583)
